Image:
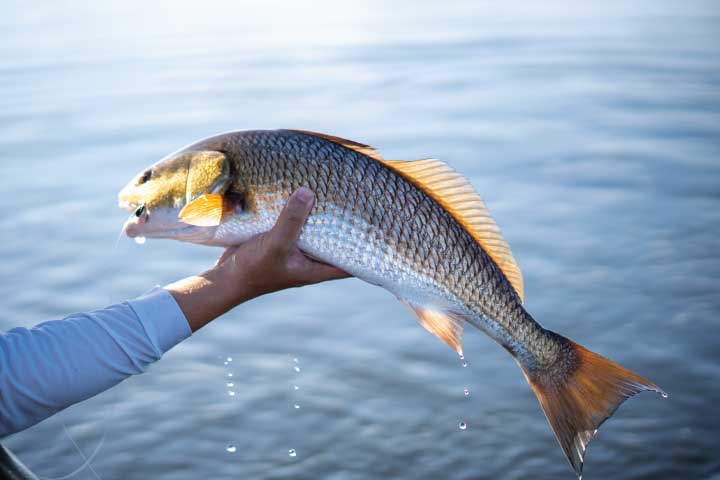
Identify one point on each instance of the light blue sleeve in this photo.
(58, 363)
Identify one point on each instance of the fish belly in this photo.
(361, 249)
(335, 236)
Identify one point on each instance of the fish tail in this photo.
(579, 391)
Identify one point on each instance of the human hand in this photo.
(266, 263)
(271, 261)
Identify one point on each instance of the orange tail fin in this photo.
(580, 393)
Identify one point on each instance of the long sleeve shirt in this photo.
(58, 363)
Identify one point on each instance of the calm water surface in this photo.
(593, 133)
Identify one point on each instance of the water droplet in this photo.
(140, 240)
(229, 359)
(462, 357)
(466, 391)
(297, 407)
(229, 374)
(664, 395)
(231, 448)
(464, 364)
(296, 368)
(225, 363)
(292, 452)
(462, 425)
(230, 384)
(295, 387)
(231, 393)
(296, 360)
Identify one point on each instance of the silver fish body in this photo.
(377, 226)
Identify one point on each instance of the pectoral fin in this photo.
(205, 211)
(446, 325)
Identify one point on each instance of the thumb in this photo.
(291, 220)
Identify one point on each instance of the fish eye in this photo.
(146, 176)
(140, 210)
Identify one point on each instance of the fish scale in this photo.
(417, 229)
(387, 197)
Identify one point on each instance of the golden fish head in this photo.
(158, 193)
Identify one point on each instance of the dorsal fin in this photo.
(456, 195)
(355, 146)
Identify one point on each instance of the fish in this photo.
(417, 228)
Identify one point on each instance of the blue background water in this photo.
(593, 132)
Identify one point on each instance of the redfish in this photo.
(416, 228)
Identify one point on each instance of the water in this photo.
(592, 131)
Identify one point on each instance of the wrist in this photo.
(231, 286)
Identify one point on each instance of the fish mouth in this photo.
(133, 229)
(162, 223)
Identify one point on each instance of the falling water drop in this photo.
(225, 363)
(462, 426)
(297, 407)
(140, 240)
(295, 360)
(466, 391)
(228, 359)
(296, 368)
(462, 359)
(230, 384)
(292, 452)
(231, 448)
(231, 393)
(296, 387)
(664, 395)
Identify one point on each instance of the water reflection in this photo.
(590, 129)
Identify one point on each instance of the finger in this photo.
(290, 222)
(317, 272)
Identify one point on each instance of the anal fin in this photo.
(444, 324)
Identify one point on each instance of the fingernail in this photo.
(304, 194)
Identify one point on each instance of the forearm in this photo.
(62, 362)
(204, 297)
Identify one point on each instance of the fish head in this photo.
(157, 194)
